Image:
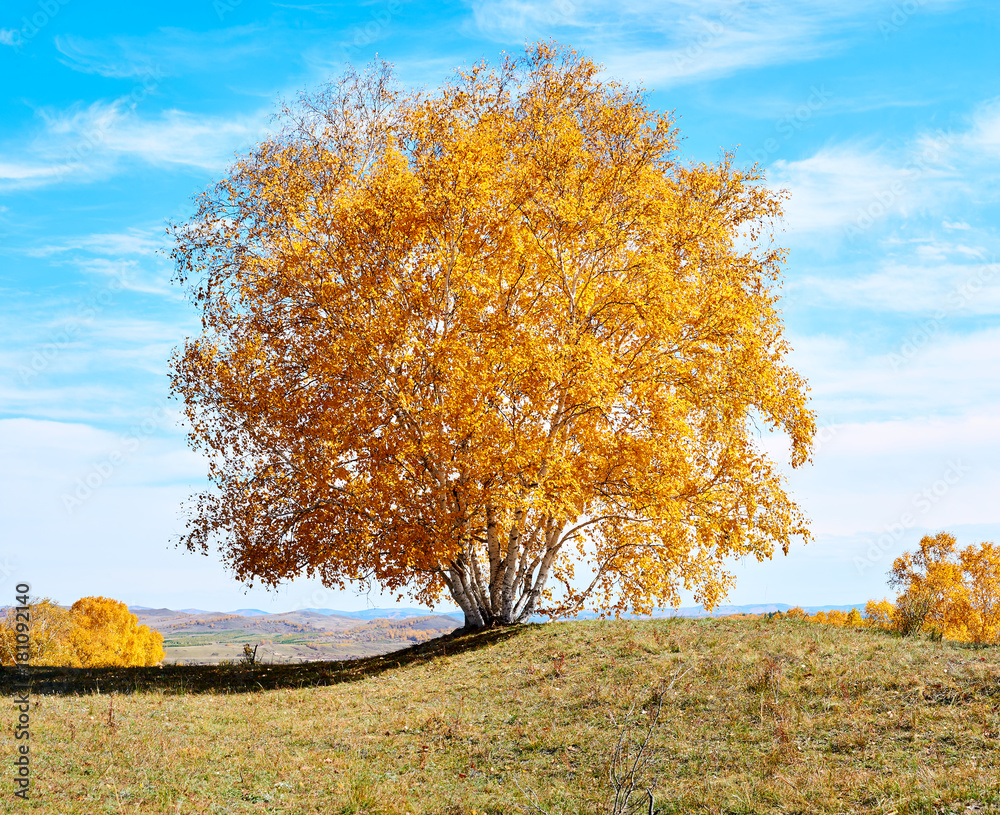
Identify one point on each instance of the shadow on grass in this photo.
(241, 678)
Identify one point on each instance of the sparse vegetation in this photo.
(770, 716)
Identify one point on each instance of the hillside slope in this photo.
(759, 716)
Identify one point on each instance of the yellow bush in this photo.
(94, 632)
(881, 614)
(108, 634)
(48, 642)
(954, 592)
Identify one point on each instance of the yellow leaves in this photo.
(504, 294)
(94, 632)
(955, 592)
(107, 634)
(48, 645)
(980, 609)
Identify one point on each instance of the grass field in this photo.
(228, 646)
(206, 644)
(762, 716)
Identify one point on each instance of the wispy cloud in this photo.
(851, 187)
(830, 188)
(26, 174)
(852, 379)
(931, 278)
(84, 144)
(172, 137)
(173, 51)
(668, 43)
(134, 241)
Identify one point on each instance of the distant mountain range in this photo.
(329, 618)
(365, 614)
(306, 621)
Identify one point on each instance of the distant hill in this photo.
(378, 613)
(329, 620)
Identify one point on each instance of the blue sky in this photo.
(882, 119)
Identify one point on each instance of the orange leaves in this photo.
(504, 300)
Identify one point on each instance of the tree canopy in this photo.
(469, 341)
(953, 591)
(94, 632)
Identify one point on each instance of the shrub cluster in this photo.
(944, 592)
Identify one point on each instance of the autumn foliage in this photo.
(834, 617)
(953, 592)
(93, 632)
(472, 340)
(944, 591)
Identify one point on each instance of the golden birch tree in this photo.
(107, 634)
(479, 340)
(953, 591)
(50, 626)
(932, 587)
(980, 609)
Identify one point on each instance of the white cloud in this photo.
(173, 137)
(667, 43)
(84, 144)
(983, 138)
(9, 36)
(134, 241)
(832, 188)
(920, 374)
(937, 281)
(94, 58)
(28, 174)
(165, 51)
(850, 187)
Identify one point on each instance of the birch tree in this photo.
(495, 341)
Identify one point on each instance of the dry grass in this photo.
(776, 716)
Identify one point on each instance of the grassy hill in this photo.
(759, 716)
